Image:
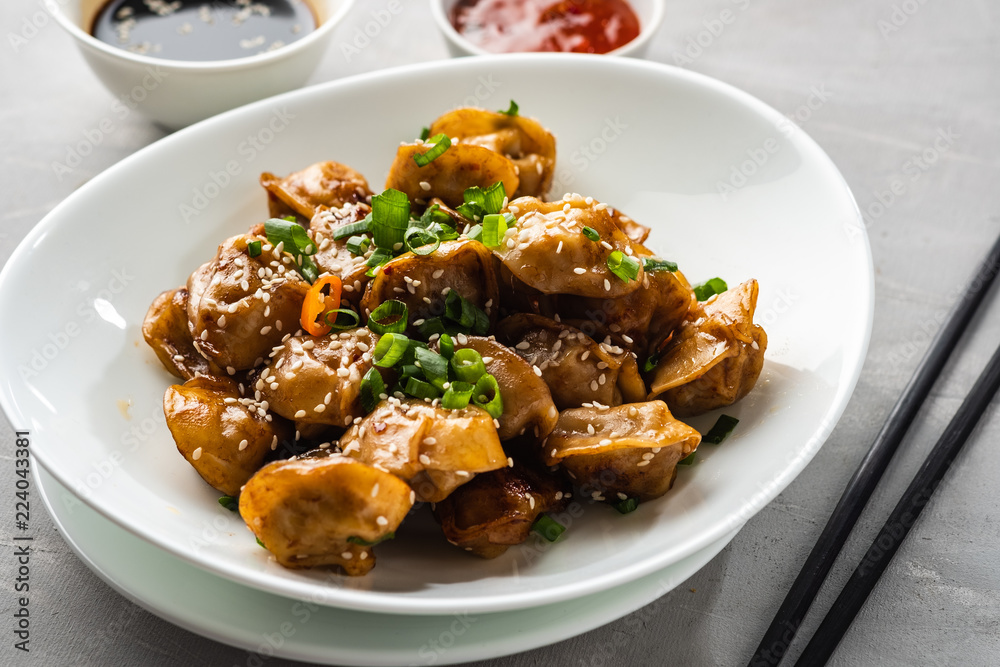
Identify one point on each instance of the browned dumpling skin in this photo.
(329, 184)
(423, 283)
(166, 330)
(639, 320)
(317, 379)
(530, 146)
(636, 232)
(240, 306)
(218, 433)
(435, 449)
(460, 167)
(332, 256)
(548, 251)
(576, 368)
(527, 401)
(304, 510)
(633, 449)
(497, 509)
(714, 360)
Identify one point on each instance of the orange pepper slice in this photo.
(322, 297)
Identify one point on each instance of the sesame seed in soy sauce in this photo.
(202, 30)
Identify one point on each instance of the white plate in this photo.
(653, 140)
(261, 622)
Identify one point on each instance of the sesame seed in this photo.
(364, 555)
(426, 460)
(496, 423)
(641, 463)
(375, 490)
(300, 414)
(277, 324)
(648, 456)
(538, 371)
(487, 360)
(531, 501)
(382, 521)
(593, 385)
(265, 330)
(579, 270)
(320, 408)
(523, 345)
(425, 186)
(343, 372)
(559, 247)
(602, 379)
(607, 285)
(196, 454)
(606, 245)
(463, 473)
(605, 442)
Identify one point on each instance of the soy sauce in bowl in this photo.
(203, 30)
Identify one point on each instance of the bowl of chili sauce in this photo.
(611, 27)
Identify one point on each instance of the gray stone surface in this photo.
(889, 89)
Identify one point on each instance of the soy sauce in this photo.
(200, 30)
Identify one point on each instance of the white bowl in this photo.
(177, 93)
(659, 143)
(649, 12)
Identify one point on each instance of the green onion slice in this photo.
(431, 326)
(253, 249)
(627, 505)
(724, 425)
(441, 144)
(230, 503)
(512, 110)
(343, 319)
(487, 395)
(657, 264)
(447, 346)
(359, 227)
(688, 460)
(420, 389)
(475, 233)
(623, 266)
(358, 245)
(651, 361)
(548, 527)
(493, 197)
(591, 234)
(261, 544)
(495, 228)
(420, 241)
(376, 259)
(468, 366)
(390, 349)
(372, 388)
(365, 543)
(458, 395)
(424, 133)
(434, 366)
(390, 218)
(710, 288)
(391, 316)
(296, 242)
(466, 314)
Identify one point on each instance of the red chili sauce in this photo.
(579, 26)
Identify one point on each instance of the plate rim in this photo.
(370, 601)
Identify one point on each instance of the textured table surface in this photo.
(892, 75)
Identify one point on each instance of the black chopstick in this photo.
(793, 609)
(897, 526)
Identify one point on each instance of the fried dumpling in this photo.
(329, 184)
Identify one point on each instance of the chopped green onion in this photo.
(391, 316)
(687, 460)
(495, 229)
(469, 316)
(359, 227)
(485, 386)
(420, 389)
(447, 346)
(390, 349)
(358, 245)
(420, 241)
(390, 218)
(468, 366)
(344, 319)
(376, 259)
(457, 396)
(548, 527)
(441, 144)
(230, 503)
(591, 234)
(512, 111)
(431, 326)
(411, 351)
(493, 197)
(253, 249)
(260, 543)
(627, 505)
(475, 233)
(434, 366)
(623, 266)
(424, 133)
(372, 388)
(365, 543)
(723, 427)
(435, 214)
(296, 243)
(651, 362)
(657, 264)
(408, 371)
(710, 288)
